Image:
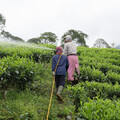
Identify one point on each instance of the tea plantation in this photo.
(26, 83)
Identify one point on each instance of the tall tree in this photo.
(34, 40)
(9, 37)
(6, 36)
(101, 43)
(46, 37)
(2, 22)
(77, 36)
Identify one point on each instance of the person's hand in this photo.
(53, 73)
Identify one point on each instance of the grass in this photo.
(32, 104)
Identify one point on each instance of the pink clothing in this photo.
(73, 64)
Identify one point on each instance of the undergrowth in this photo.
(32, 104)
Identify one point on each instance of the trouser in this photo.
(60, 83)
(73, 65)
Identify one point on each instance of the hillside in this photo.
(25, 73)
(32, 102)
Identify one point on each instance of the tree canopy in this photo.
(101, 43)
(6, 35)
(77, 36)
(2, 22)
(46, 37)
(10, 37)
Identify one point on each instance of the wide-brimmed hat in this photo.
(59, 49)
(67, 38)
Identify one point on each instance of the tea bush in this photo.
(85, 90)
(37, 53)
(100, 110)
(17, 72)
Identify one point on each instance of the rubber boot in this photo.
(60, 88)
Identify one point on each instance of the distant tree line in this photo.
(50, 38)
(46, 37)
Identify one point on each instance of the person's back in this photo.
(62, 64)
(70, 48)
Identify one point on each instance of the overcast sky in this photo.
(96, 18)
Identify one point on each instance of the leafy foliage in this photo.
(10, 37)
(101, 43)
(2, 21)
(77, 36)
(37, 53)
(45, 38)
(100, 110)
(25, 67)
(18, 72)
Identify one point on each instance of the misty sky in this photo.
(96, 18)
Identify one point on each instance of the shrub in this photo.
(100, 110)
(17, 72)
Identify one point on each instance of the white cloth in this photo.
(70, 48)
(68, 38)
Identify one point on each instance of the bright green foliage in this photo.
(32, 104)
(96, 97)
(100, 110)
(85, 91)
(113, 77)
(97, 94)
(36, 52)
(48, 46)
(96, 64)
(94, 89)
(91, 74)
(18, 72)
(18, 66)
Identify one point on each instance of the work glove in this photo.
(53, 73)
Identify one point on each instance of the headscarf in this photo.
(59, 50)
(67, 38)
